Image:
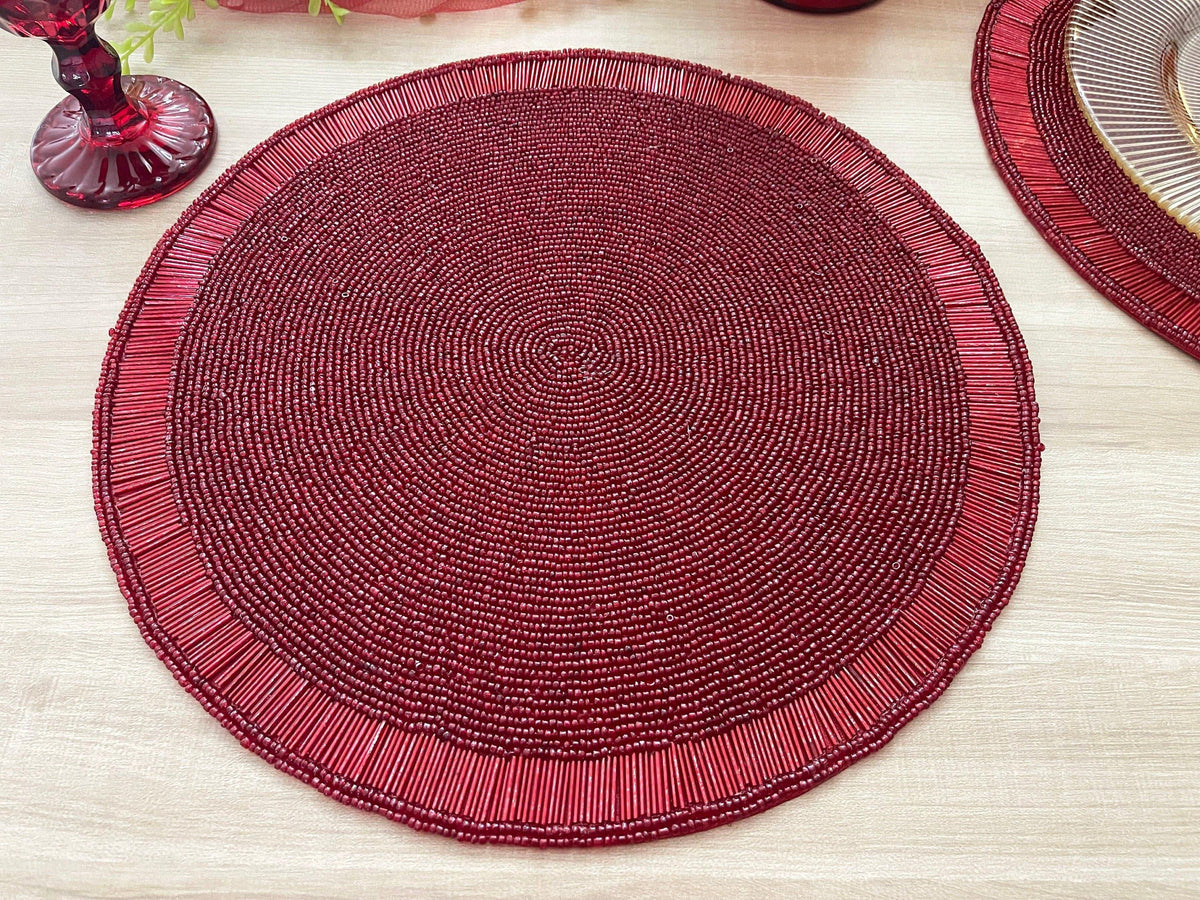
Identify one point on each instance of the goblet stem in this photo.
(89, 70)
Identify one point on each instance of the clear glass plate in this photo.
(1135, 67)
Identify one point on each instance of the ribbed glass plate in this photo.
(1135, 65)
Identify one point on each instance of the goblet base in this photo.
(160, 156)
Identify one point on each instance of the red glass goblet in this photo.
(116, 141)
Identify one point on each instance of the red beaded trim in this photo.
(1076, 195)
(638, 795)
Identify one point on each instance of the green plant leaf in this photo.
(160, 16)
(314, 7)
(339, 13)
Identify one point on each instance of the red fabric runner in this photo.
(405, 9)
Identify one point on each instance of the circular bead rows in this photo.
(567, 422)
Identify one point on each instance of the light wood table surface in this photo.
(1065, 758)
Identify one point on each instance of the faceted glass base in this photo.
(161, 155)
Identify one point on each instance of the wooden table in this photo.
(1064, 759)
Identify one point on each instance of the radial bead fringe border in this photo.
(635, 796)
(1005, 50)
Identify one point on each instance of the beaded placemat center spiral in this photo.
(566, 448)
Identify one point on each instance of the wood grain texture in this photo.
(1063, 761)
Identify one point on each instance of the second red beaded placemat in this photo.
(1076, 194)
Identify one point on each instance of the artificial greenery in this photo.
(169, 15)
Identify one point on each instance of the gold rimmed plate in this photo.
(1135, 67)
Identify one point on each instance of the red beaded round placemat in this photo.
(1069, 186)
(566, 448)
